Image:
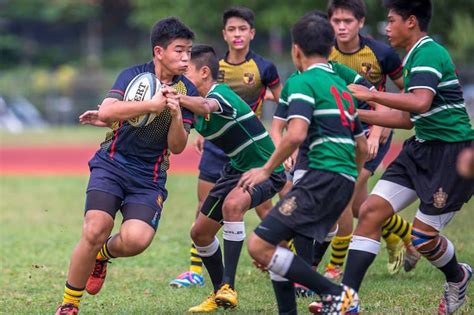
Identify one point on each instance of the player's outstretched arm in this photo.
(199, 105)
(91, 117)
(415, 101)
(295, 135)
(112, 109)
(391, 119)
(177, 134)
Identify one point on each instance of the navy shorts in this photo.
(112, 188)
(212, 162)
(372, 165)
(212, 206)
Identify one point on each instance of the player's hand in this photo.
(158, 103)
(360, 92)
(91, 117)
(172, 102)
(385, 135)
(465, 163)
(252, 178)
(373, 143)
(289, 163)
(168, 91)
(199, 144)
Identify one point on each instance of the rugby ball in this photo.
(142, 88)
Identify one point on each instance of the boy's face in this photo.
(195, 75)
(345, 25)
(238, 33)
(397, 29)
(176, 56)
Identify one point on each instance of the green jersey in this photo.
(236, 130)
(320, 97)
(429, 66)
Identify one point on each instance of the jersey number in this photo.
(346, 96)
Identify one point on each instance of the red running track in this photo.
(72, 160)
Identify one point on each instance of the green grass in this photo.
(40, 223)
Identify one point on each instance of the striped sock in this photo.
(390, 238)
(104, 253)
(339, 247)
(195, 261)
(398, 226)
(72, 295)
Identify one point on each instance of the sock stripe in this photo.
(196, 263)
(390, 223)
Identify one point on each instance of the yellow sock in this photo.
(291, 246)
(339, 248)
(398, 226)
(104, 253)
(390, 238)
(72, 295)
(195, 261)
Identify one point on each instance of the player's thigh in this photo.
(264, 208)
(236, 203)
(136, 234)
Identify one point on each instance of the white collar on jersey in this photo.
(420, 42)
(323, 66)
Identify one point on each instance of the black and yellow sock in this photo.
(104, 253)
(339, 248)
(390, 238)
(195, 264)
(72, 295)
(398, 226)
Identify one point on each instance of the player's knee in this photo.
(134, 242)
(253, 246)
(200, 237)
(95, 233)
(370, 216)
(232, 210)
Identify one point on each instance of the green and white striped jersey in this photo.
(428, 65)
(320, 96)
(236, 130)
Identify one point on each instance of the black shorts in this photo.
(429, 168)
(312, 206)
(212, 206)
(212, 162)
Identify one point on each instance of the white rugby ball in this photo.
(142, 88)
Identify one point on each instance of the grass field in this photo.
(41, 219)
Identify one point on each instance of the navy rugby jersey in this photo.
(374, 61)
(250, 80)
(143, 150)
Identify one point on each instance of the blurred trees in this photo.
(105, 32)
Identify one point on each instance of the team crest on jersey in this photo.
(288, 206)
(366, 69)
(249, 78)
(207, 117)
(221, 76)
(439, 198)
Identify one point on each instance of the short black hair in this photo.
(168, 29)
(314, 35)
(239, 12)
(315, 13)
(357, 7)
(421, 9)
(205, 55)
